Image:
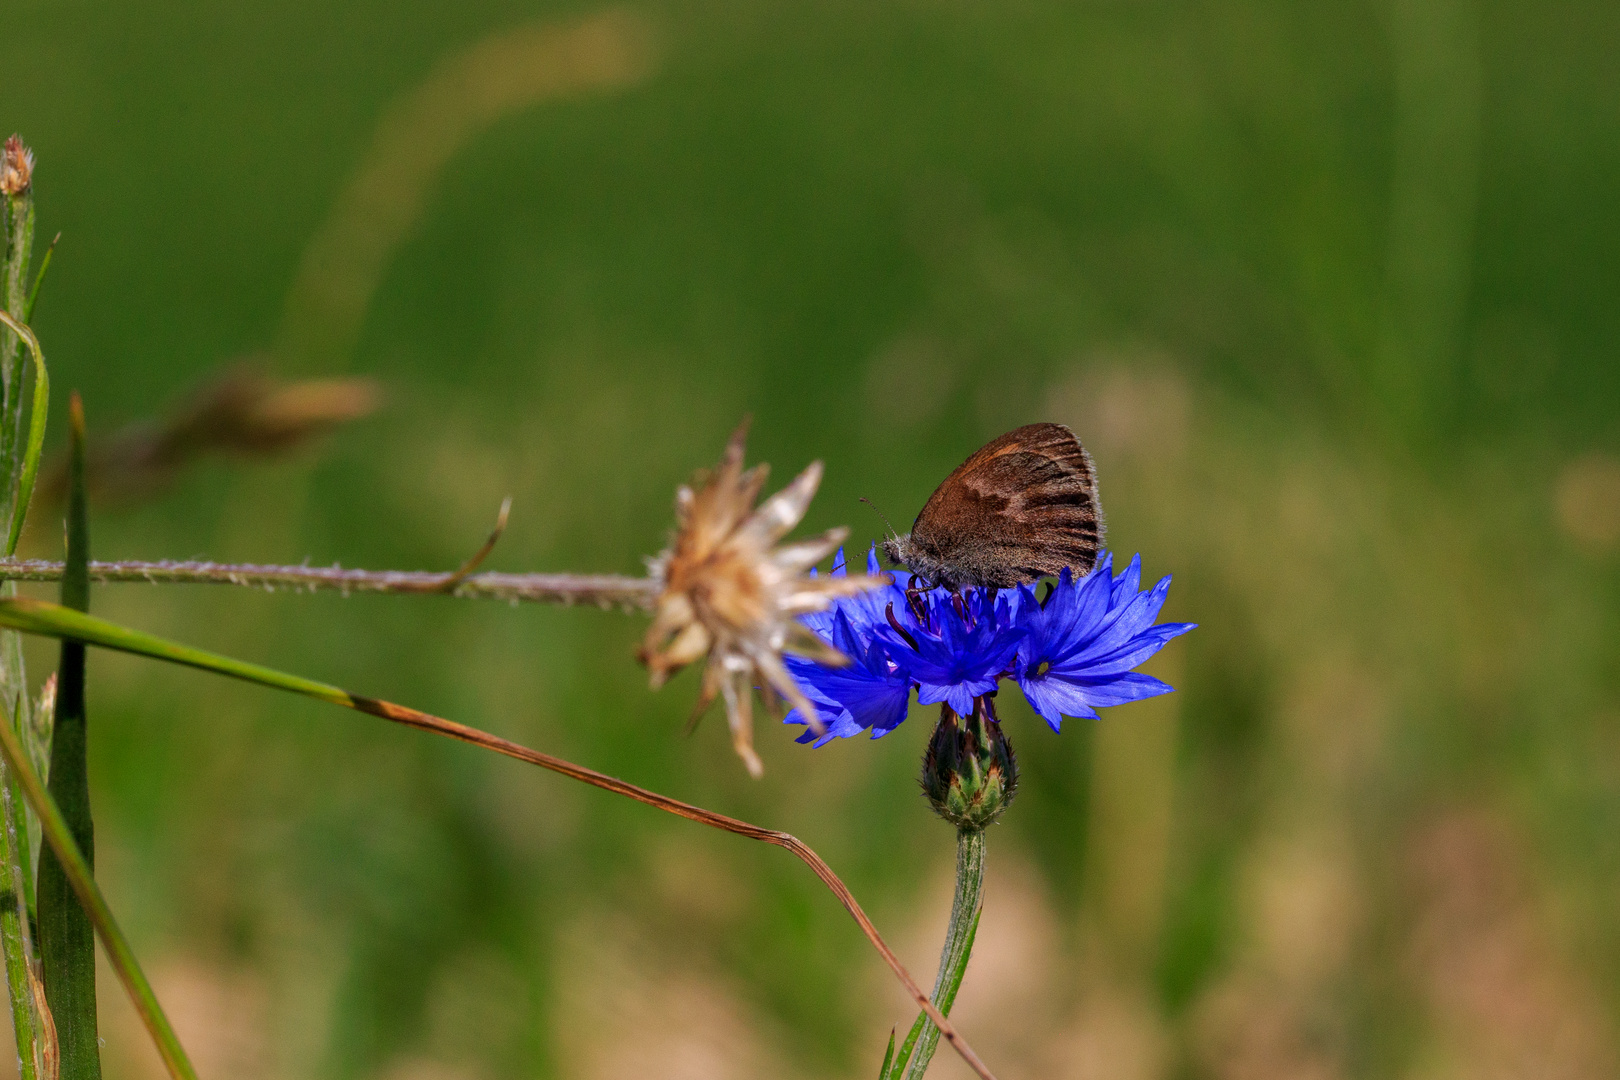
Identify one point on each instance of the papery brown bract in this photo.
(1023, 507)
(732, 596)
(16, 167)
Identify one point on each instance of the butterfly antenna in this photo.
(880, 514)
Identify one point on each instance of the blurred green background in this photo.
(1331, 291)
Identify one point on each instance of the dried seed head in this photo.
(16, 167)
(732, 596)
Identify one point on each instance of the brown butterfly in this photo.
(1023, 507)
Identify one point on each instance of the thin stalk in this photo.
(600, 590)
(19, 211)
(16, 890)
(39, 279)
(60, 838)
(27, 471)
(53, 620)
(953, 958)
(14, 936)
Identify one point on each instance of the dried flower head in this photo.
(16, 167)
(730, 594)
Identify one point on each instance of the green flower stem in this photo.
(53, 620)
(953, 959)
(60, 838)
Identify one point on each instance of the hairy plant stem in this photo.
(953, 958)
(600, 590)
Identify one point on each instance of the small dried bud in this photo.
(969, 772)
(730, 595)
(16, 168)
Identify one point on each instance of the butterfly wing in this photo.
(1023, 506)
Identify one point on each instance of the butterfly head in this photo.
(927, 568)
(896, 548)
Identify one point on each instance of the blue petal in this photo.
(1081, 648)
(1121, 689)
(958, 695)
(1064, 624)
(1054, 699)
(1135, 617)
(870, 692)
(1129, 581)
(1128, 656)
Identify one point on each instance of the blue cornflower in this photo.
(959, 650)
(1071, 653)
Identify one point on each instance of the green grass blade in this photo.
(59, 837)
(899, 1066)
(36, 433)
(888, 1056)
(39, 279)
(54, 620)
(67, 941)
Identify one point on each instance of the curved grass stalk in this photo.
(53, 620)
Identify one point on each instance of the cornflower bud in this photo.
(969, 772)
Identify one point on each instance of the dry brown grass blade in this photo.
(401, 714)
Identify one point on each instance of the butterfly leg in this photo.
(914, 597)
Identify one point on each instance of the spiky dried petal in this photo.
(728, 593)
